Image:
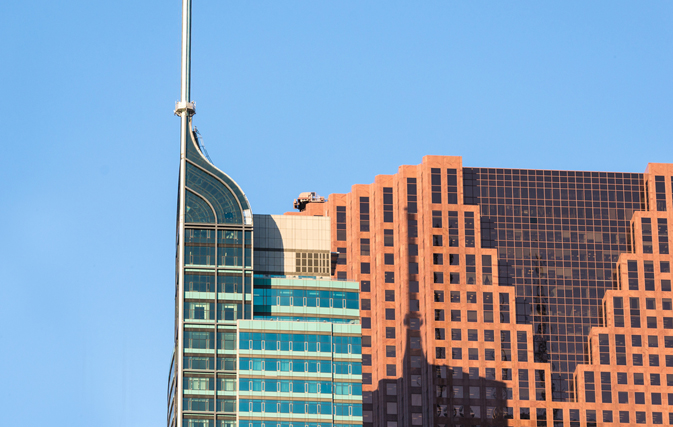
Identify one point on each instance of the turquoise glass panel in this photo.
(199, 255)
(193, 235)
(199, 282)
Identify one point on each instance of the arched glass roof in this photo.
(223, 193)
(197, 209)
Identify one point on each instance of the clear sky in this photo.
(291, 96)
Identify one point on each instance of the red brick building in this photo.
(510, 297)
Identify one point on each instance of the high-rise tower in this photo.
(510, 297)
(280, 348)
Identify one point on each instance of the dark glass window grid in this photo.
(523, 385)
(618, 315)
(589, 387)
(469, 229)
(522, 346)
(364, 214)
(662, 232)
(504, 308)
(660, 193)
(470, 269)
(540, 393)
(453, 228)
(488, 307)
(646, 232)
(634, 304)
(436, 219)
(412, 197)
(341, 260)
(604, 349)
(648, 271)
(388, 238)
(341, 223)
(620, 349)
(606, 387)
(487, 271)
(505, 346)
(452, 186)
(436, 185)
(209, 248)
(364, 247)
(632, 266)
(558, 235)
(387, 204)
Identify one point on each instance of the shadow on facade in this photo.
(269, 250)
(436, 394)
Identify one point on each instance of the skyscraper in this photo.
(510, 297)
(486, 297)
(278, 348)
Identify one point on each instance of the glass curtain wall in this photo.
(217, 291)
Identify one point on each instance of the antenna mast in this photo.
(185, 109)
(185, 105)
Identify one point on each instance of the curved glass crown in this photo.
(198, 209)
(212, 196)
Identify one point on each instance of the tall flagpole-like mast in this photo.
(186, 57)
(185, 109)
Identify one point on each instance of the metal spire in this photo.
(185, 109)
(185, 105)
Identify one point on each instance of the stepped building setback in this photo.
(510, 297)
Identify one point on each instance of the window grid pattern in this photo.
(452, 186)
(364, 214)
(660, 193)
(662, 231)
(436, 185)
(561, 275)
(646, 229)
(387, 204)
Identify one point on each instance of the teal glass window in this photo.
(231, 247)
(229, 311)
(197, 404)
(199, 340)
(200, 255)
(202, 363)
(202, 384)
(227, 340)
(187, 422)
(231, 257)
(226, 364)
(226, 405)
(199, 283)
(199, 311)
(195, 235)
(233, 283)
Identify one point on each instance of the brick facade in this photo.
(442, 342)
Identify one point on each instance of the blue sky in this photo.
(291, 97)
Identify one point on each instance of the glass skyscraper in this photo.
(213, 291)
(280, 348)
